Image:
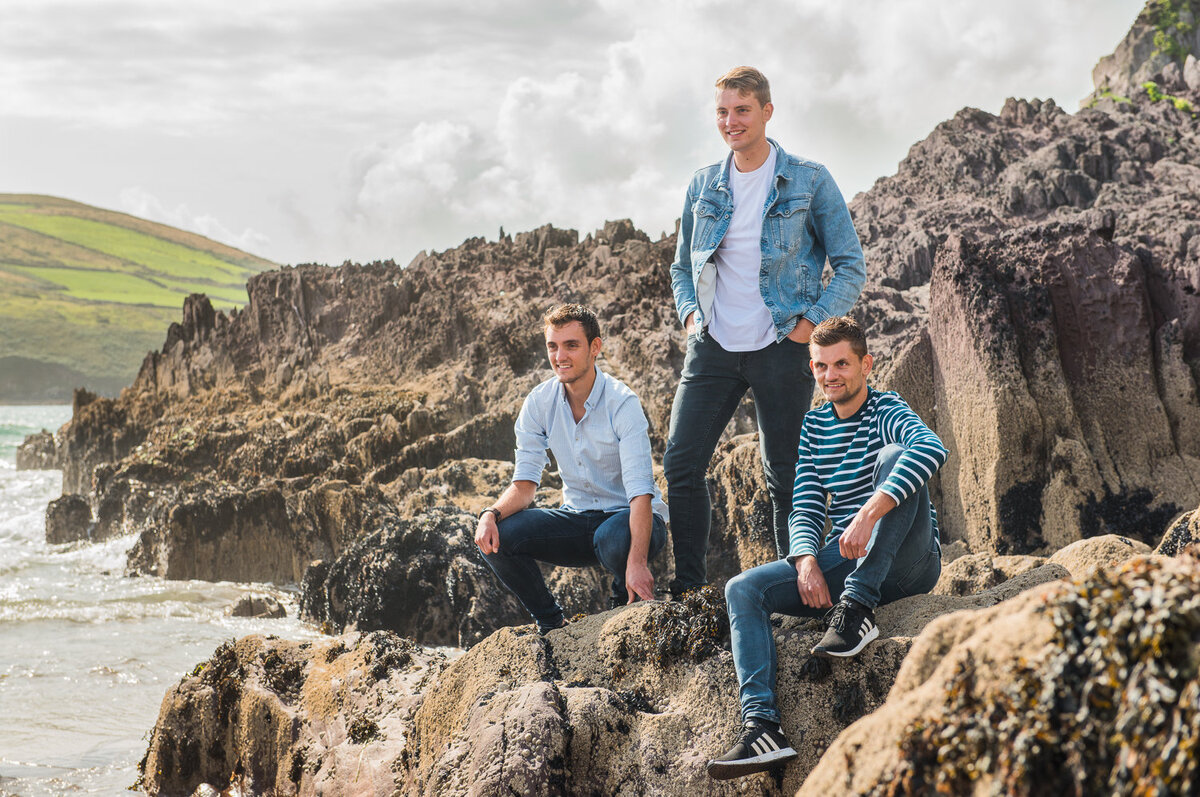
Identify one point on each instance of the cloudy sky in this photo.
(323, 130)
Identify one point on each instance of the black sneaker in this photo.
(545, 629)
(851, 627)
(759, 748)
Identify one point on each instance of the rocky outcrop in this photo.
(1086, 687)
(1035, 272)
(290, 718)
(1032, 292)
(632, 700)
(429, 561)
(38, 452)
(68, 519)
(251, 605)
(1159, 47)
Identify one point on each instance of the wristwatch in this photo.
(493, 510)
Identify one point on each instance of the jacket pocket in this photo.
(786, 220)
(705, 217)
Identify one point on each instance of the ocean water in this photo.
(86, 654)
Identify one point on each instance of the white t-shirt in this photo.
(740, 319)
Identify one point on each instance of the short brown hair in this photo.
(837, 328)
(747, 80)
(566, 313)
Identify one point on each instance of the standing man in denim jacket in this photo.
(756, 230)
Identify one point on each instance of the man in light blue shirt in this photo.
(612, 512)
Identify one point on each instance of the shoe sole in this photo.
(727, 770)
(870, 636)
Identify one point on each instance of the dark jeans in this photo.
(903, 558)
(711, 385)
(566, 538)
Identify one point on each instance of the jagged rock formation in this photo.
(632, 700)
(38, 452)
(1033, 284)
(428, 562)
(343, 403)
(1032, 293)
(68, 519)
(1160, 46)
(1036, 289)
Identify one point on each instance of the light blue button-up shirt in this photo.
(604, 460)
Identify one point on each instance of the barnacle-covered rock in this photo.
(269, 716)
(1088, 686)
(420, 577)
(635, 699)
(1183, 532)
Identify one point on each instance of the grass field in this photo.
(94, 290)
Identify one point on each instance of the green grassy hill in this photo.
(86, 292)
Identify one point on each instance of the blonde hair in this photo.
(747, 80)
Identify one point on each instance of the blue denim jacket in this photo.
(805, 220)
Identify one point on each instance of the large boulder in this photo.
(1036, 270)
(1085, 557)
(68, 519)
(1184, 532)
(972, 573)
(1075, 687)
(38, 452)
(284, 717)
(1042, 348)
(421, 577)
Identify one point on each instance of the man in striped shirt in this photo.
(865, 459)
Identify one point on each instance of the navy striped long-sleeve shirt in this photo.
(837, 461)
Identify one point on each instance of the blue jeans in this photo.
(903, 558)
(711, 386)
(565, 538)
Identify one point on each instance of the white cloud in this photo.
(140, 202)
(446, 121)
(854, 87)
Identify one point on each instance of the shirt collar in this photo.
(597, 390)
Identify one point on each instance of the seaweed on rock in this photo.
(1114, 709)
